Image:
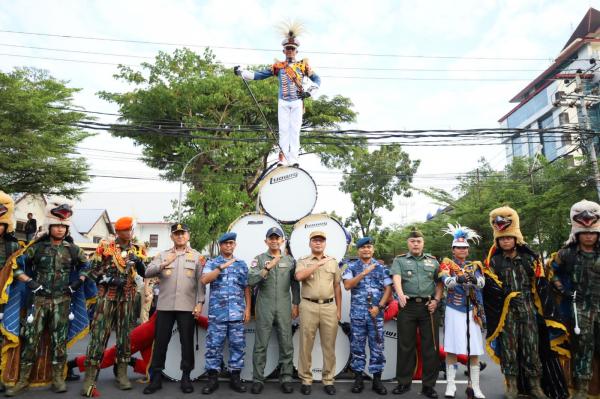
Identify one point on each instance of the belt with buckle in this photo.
(418, 299)
(319, 301)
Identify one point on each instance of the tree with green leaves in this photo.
(542, 192)
(38, 135)
(184, 104)
(373, 179)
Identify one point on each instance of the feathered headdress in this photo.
(505, 223)
(290, 30)
(461, 235)
(7, 209)
(585, 217)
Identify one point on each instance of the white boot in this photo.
(475, 382)
(450, 377)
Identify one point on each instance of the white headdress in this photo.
(585, 217)
(290, 30)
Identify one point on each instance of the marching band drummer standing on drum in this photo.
(320, 277)
(273, 274)
(180, 298)
(228, 310)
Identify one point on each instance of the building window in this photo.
(97, 239)
(153, 240)
(517, 146)
(20, 227)
(563, 118)
(550, 141)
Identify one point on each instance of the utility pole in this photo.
(584, 122)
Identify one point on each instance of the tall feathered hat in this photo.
(7, 210)
(58, 212)
(290, 30)
(505, 223)
(585, 217)
(461, 235)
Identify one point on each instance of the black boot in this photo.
(71, 376)
(358, 385)
(378, 385)
(186, 383)
(235, 382)
(213, 382)
(155, 383)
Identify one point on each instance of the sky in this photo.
(431, 45)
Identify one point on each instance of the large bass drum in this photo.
(390, 345)
(342, 353)
(288, 194)
(251, 229)
(337, 238)
(172, 368)
(272, 352)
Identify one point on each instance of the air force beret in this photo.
(230, 236)
(364, 241)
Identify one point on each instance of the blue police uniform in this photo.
(367, 293)
(226, 314)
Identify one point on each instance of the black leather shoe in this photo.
(286, 387)
(429, 392)
(329, 389)
(400, 389)
(186, 383)
(257, 387)
(305, 389)
(155, 384)
(212, 384)
(358, 385)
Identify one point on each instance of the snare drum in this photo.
(288, 194)
(272, 352)
(342, 353)
(172, 368)
(390, 345)
(337, 240)
(251, 229)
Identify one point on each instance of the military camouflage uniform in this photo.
(51, 266)
(115, 301)
(580, 272)
(366, 294)
(519, 338)
(226, 307)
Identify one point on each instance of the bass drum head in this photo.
(172, 369)
(336, 244)
(272, 352)
(251, 229)
(288, 194)
(390, 345)
(342, 353)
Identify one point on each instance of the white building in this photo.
(156, 236)
(537, 106)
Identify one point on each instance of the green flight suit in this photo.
(274, 308)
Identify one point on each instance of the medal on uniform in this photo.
(168, 272)
(189, 272)
(123, 254)
(409, 273)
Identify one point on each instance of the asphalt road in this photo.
(492, 385)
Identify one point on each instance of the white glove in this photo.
(312, 89)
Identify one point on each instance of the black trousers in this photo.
(415, 315)
(162, 335)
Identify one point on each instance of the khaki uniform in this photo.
(321, 316)
(179, 292)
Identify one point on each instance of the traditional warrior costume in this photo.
(462, 278)
(577, 277)
(52, 301)
(291, 74)
(517, 300)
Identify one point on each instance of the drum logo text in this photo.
(250, 222)
(281, 178)
(309, 225)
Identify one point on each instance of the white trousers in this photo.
(289, 115)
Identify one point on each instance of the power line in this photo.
(341, 67)
(389, 55)
(324, 76)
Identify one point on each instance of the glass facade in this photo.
(532, 106)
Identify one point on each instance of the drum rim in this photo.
(249, 214)
(299, 221)
(280, 168)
